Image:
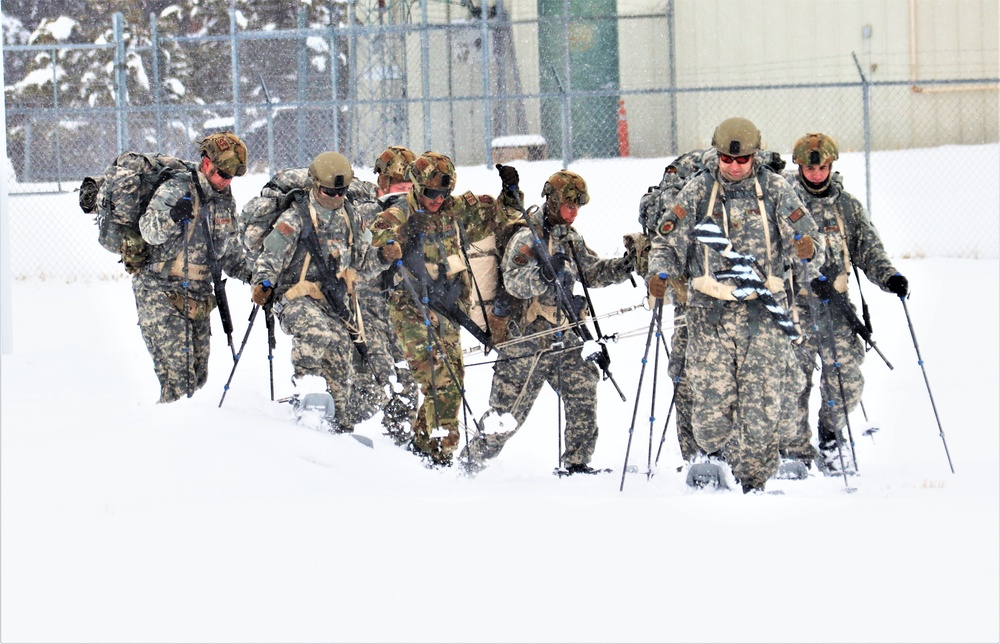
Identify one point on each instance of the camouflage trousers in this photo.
(368, 395)
(738, 362)
(439, 369)
(165, 330)
(682, 388)
(850, 354)
(321, 346)
(518, 378)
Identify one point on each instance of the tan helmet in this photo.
(226, 152)
(815, 149)
(434, 171)
(566, 187)
(736, 137)
(331, 170)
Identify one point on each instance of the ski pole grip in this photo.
(662, 275)
(266, 284)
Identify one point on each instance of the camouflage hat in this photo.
(736, 137)
(566, 187)
(331, 170)
(815, 149)
(226, 152)
(432, 170)
(392, 164)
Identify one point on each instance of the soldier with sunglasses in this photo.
(737, 358)
(430, 230)
(286, 275)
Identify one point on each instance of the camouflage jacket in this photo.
(522, 271)
(342, 236)
(377, 285)
(166, 239)
(675, 252)
(863, 244)
(436, 236)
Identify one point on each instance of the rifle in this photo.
(442, 294)
(857, 326)
(600, 358)
(745, 272)
(334, 289)
(215, 266)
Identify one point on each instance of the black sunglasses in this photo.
(333, 192)
(225, 175)
(431, 193)
(725, 158)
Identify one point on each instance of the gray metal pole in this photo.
(567, 107)
(58, 139)
(672, 67)
(121, 97)
(303, 77)
(484, 36)
(425, 74)
(334, 74)
(234, 56)
(866, 109)
(6, 282)
(154, 37)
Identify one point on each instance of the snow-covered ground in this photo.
(126, 521)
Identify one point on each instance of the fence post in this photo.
(484, 36)
(154, 41)
(425, 75)
(672, 69)
(866, 111)
(121, 97)
(234, 55)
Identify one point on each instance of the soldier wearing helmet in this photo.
(733, 410)
(286, 276)
(398, 393)
(556, 357)
(851, 242)
(428, 234)
(188, 223)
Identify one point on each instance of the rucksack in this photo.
(119, 197)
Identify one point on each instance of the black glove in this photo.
(822, 287)
(181, 211)
(558, 264)
(898, 285)
(509, 176)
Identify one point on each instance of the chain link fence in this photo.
(481, 90)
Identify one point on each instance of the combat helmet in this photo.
(432, 171)
(226, 152)
(815, 149)
(331, 170)
(392, 164)
(736, 137)
(566, 187)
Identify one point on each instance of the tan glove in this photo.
(260, 294)
(390, 252)
(498, 327)
(658, 286)
(804, 248)
(680, 290)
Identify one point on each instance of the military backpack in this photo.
(120, 196)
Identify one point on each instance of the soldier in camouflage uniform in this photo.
(174, 227)
(399, 403)
(286, 271)
(555, 358)
(737, 358)
(427, 227)
(851, 240)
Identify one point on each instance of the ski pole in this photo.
(920, 361)
(652, 403)
(657, 312)
(271, 343)
(187, 315)
(670, 410)
(239, 354)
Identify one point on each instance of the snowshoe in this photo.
(828, 462)
(317, 411)
(792, 470)
(702, 475)
(580, 468)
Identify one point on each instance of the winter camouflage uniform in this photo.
(159, 285)
(737, 358)
(849, 237)
(399, 403)
(321, 343)
(554, 358)
(436, 431)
